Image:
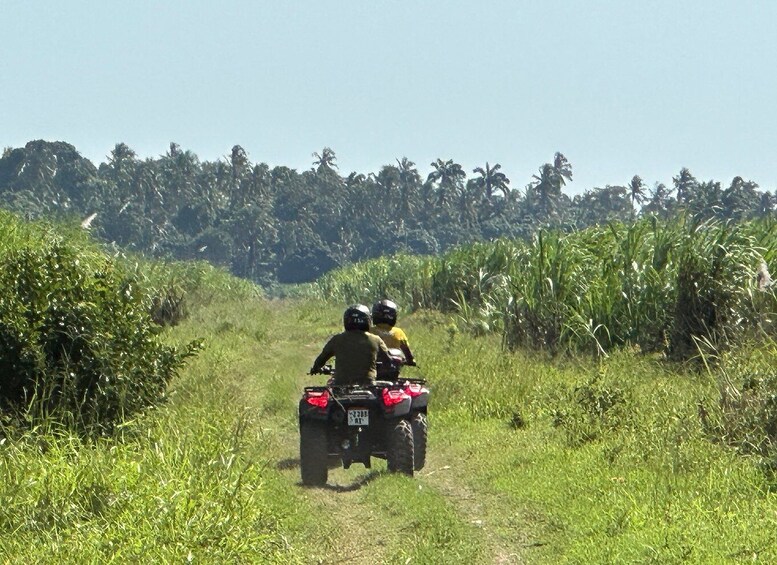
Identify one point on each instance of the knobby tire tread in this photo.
(400, 448)
(313, 453)
(420, 431)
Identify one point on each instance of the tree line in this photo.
(277, 224)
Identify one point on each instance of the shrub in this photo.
(746, 415)
(589, 409)
(77, 342)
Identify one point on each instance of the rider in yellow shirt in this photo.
(384, 316)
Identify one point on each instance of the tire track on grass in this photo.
(346, 520)
(355, 530)
(505, 540)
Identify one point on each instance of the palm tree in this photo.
(705, 203)
(469, 196)
(150, 203)
(325, 160)
(179, 171)
(659, 202)
(492, 180)
(409, 182)
(545, 189)
(636, 188)
(740, 200)
(685, 185)
(562, 168)
(239, 163)
(544, 192)
(386, 190)
(486, 185)
(448, 176)
(354, 179)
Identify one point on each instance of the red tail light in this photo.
(317, 398)
(393, 396)
(414, 389)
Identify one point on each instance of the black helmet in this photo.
(384, 312)
(357, 317)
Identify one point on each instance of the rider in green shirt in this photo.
(356, 350)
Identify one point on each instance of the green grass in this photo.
(210, 476)
(193, 478)
(639, 483)
(531, 459)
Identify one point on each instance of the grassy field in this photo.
(530, 461)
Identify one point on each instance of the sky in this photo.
(619, 87)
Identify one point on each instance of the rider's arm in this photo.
(326, 354)
(409, 359)
(404, 346)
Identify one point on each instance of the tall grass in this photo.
(658, 286)
(406, 277)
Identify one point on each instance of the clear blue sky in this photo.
(620, 87)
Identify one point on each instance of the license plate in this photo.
(358, 417)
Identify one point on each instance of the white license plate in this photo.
(358, 417)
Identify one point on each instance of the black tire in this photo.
(313, 453)
(399, 454)
(420, 431)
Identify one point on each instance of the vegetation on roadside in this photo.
(78, 346)
(190, 481)
(623, 459)
(532, 457)
(672, 287)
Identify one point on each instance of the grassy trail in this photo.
(374, 516)
(529, 462)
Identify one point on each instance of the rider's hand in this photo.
(411, 363)
(313, 371)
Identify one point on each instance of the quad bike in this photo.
(419, 394)
(352, 424)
